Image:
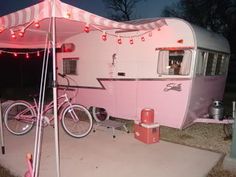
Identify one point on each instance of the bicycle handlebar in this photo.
(62, 75)
(67, 80)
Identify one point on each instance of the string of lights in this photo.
(19, 31)
(26, 54)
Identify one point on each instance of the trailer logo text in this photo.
(173, 86)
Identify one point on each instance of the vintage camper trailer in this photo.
(165, 64)
(177, 70)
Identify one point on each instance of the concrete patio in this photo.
(99, 155)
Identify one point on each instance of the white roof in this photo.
(202, 38)
(210, 40)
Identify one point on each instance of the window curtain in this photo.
(186, 63)
(163, 62)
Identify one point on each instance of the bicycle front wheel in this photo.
(77, 121)
(18, 118)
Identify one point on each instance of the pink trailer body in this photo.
(130, 97)
(173, 108)
(177, 71)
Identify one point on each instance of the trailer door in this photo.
(125, 83)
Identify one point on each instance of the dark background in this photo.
(21, 76)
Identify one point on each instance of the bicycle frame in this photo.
(63, 100)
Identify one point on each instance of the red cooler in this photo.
(147, 116)
(147, 133)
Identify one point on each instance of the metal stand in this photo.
(1, 129)
(111, 124)
(213, 121)
(233, 146)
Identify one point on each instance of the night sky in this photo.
(147, 8)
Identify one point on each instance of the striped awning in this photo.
(70, 21)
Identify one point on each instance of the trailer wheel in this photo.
(99, 114)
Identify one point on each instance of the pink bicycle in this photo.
(20, 116)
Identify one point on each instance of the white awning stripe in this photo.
(20, 17)
(13, 19)
(6, 21)
(97, 20)
(28, 14)
(43, 10)
(36, 12)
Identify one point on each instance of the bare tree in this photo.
(121, 10)
(209, 14)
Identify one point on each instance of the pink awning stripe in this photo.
(12, 19)
(6, 21)
(44, 9)
(21, 17)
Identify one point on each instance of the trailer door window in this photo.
(174, 62)
(70, 66)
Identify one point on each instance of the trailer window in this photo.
(211, 64)
(174, 62)
(202, 58)
(70, 66)
(221, 64)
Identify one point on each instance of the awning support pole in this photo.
(56, 131)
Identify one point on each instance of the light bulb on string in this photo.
(38, 54)
(119, 41)
(86, 28)
(13, 35)
(27, 56)
(142, 38)
(104, 36)
(150, 34)
(36, 24)
(68, 15)
(21, 33)
(131, 41)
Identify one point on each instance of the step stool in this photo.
(111, 124)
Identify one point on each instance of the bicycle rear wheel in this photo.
(18, 118)
(77, 121)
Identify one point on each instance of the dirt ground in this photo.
(206, 136)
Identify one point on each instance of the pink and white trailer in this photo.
(165, 64)
(176, 69)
